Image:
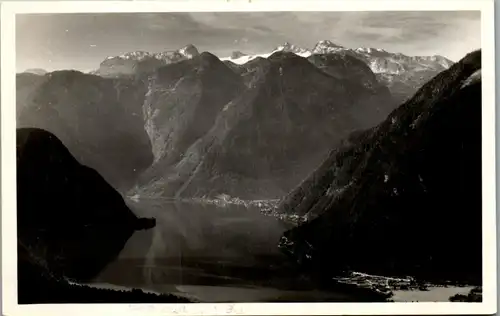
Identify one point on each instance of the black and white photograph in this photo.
(233, 155)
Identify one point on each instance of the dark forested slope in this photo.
(403, 197)
(70, 222)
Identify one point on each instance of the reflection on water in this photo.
(205, 246)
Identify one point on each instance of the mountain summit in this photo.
(138, 62)
(402, 74)
(326, 46)
(288, 47)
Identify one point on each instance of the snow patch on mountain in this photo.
(188, 51)
(370, 50)
(246, 58)
(286, 47)
(379, 60)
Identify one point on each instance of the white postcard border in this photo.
(8, 162)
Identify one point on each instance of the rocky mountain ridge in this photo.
(403, 74)
(139, 62)
(379, 60)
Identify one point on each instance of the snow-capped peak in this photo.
(134, 55)
(188, 51)
(240, 58)
(327, 47)
(243, 59)
(370, 50)
(288, 47)
(327, 43)
(379, 60)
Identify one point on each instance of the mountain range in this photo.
(138, 62)
(378, 153)
(188, 124)
(215, 130)
(401, 73)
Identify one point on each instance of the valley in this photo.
(309, 175)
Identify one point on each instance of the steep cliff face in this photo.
(68, 217)
(403, 197)
(182, 102)
(373, 101)
(98, 119)
(262, 130)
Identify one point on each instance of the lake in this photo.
(210, 253)
(213, 254)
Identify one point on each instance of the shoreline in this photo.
(266, 207)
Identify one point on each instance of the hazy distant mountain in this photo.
(404, 197)
(237, 54)
(139, 62)
(252, 130)
(99, 120)
(36, 71)
(26, 84)
(401, 73)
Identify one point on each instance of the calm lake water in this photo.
(208, 252)
(212, 254)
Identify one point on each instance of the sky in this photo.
(82, 41)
